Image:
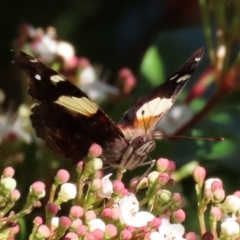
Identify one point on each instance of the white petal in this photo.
(129, 204)
(107, 187)
(155, 236)
(139, 219)
(96, 224)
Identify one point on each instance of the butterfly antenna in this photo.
(160, 136)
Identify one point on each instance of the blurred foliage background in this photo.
(152, 38)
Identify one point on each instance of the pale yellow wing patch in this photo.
(80, 105)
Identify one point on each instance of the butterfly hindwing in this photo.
(64, 116)
(149, 110)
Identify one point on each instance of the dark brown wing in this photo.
(149, 110)
(64, 116)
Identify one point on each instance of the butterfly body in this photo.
(70, 122)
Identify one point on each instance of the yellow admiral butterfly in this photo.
(70, 122)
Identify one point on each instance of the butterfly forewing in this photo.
(65, 117)
(149, 110)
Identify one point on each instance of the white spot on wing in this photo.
(197, 59)
(174, 77)
(34, 60)
(57, 78)
(154, 108)
(81, 105)
(184, 78)
(38, 77)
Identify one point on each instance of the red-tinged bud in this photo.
(90, 215)
(207, 236)
(80, 166)
(199, 174)
(155, 223)
(81, 230)
(107, 213)
(218, 195)
(95, 150)
(62, 176)
(125, 73)
(89, 236)
(52, 209)
(216, 213)
(216, 185)
(171, 166)
(110, 232)
(208, 182)
(163, 178)
(178, 216)
(125, 192)
(15, 230)
(8, 172)
(64, 222)
(126, 234)
(98, 234)
(191, 236)
(14, 195)
(42, 232)
(162, 164)
(76, 212)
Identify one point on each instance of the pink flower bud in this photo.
(107, 213)
(110, 231)
(178, 201)
(237, 193)
(76, 212)
(116, 213)
(71, 236)
(155, 223)
(208, 194)
(178, 216)
(76, 223)
(81, 230)
(162, 164)
(125, 192)
(38, 220)
(90, 215)
(208, 183)
(118, 186)
(163, 178)
(216, 213)
(191, 236)
(216, 185)
(80, 166)
(52, 209)
(8, 172)
(64, 222)
(38, 189)
(98, 234)
(171, 166)
(14, 195)
(95, 150)
(199, 174)
(62, 176)
(89, 236)
(207, 236)
(42, 232)
(126, 234)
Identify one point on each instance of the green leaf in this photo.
(152, 66)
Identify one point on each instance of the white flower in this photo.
(65, 50)
(168, 231)
(68, 191)
(130, 214)
(229, 228)
(177, 116)
(107, 187)
(96, 224)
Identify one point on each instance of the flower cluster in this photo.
(61, 56)
(106, 209)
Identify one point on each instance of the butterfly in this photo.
(70, 122)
